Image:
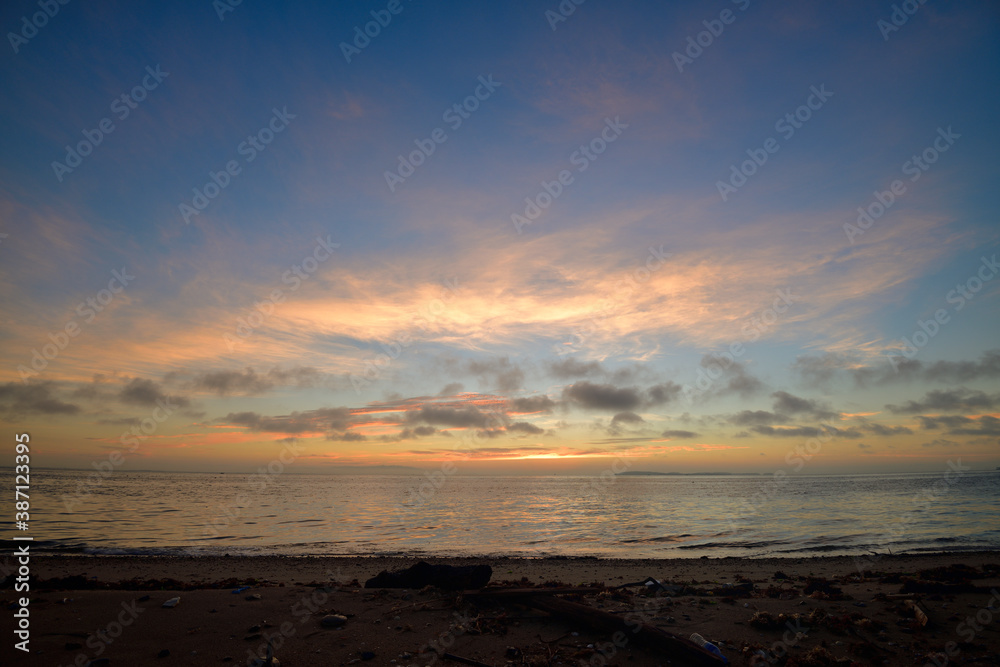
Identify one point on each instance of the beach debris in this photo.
(821, 589)
(744, 589)
(237, 591)
(652, 584)
(268, 660)
(333, 621)
(916, 611)
(956, 574)
(527, 592)
(765, 620)
(255, 596)
(779, 593)
(448, 577)
(172, 602)
(818, 656)
(603, 621)
(464, 661)
(707, 645)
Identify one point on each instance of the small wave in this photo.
(664, 538)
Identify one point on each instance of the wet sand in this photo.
(783, 611)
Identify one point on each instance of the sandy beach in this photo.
(810, 611)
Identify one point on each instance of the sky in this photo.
(501, 238)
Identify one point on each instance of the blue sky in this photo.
(560, 345)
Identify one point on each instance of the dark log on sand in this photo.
(671, 645)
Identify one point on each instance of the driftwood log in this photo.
(447, 577)
(670, 644)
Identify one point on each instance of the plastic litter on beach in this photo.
(172, 602)
(707, 645)
(333, 621)
(268, 661)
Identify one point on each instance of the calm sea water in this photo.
(634, 517)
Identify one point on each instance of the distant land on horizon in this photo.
(651, 473)
(415, 471)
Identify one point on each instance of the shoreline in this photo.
(259, 565)
(112, 606)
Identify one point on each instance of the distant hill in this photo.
(649, 473)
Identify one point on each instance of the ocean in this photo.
(608, 517)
